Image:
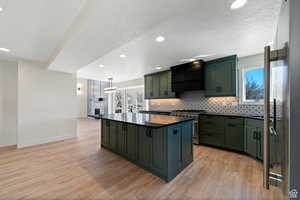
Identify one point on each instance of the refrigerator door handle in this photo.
(266, 158)
(269, 56)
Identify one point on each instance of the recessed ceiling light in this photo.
(158, 68)
(159, 39)
(123, 56)
(4, 49)
(1, 9)
(203, 56)
(238, 4)
(101, 66)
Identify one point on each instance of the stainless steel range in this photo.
(191, 114)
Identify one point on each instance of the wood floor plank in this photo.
(76, 170)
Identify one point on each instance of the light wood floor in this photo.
(76, 170)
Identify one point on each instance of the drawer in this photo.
(211, 123)
(234, 121)
(212, 138)
(254, 123)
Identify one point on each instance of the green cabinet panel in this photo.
(221, 77)
(212, 123)
(159, 151)
(148, 87)
(175, 161)
(131, 132)
(121, 138)
(251, 141)
(234, 134)
(187, 149)
(158, 85)
(144, 147)
(163, 84)
(105, 133)
(113, 128)
(213, 138)
(254, 138)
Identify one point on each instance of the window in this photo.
(129, 99)
(252, 88)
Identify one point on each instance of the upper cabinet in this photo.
(158, 86)
(220, 77)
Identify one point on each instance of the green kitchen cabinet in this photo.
(251, 141)
(212, 130)
(174, 134)
(163, 84)
(148, 87)
(121, 138)
(131, 133)
(254, 138)
(234, 134)
(113, 128)
(105, 133)
(159, 163)
(158, 85)
(221, 77)
(187, 149)
(145, 146)
(164, 151)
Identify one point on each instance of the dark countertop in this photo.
(242, 115)
(148, 120)
(164, 112)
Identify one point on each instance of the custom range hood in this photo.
(188, 76)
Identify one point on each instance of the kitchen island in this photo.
(160, 144)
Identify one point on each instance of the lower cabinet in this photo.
(234, 133)
(254, 138)
(163, 151)
(223, 132)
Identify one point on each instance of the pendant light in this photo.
(110, 88)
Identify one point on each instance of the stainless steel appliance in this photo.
(281, 127)
(192, 114)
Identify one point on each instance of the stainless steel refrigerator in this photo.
(281, 119)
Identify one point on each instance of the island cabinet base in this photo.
(164, 151)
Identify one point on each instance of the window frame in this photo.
(242, 86)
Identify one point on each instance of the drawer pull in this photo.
(175, 132)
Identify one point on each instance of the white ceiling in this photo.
(206, 27)
(32, 29)
(81, 34)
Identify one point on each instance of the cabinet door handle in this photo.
(175, 132)
(149, 133)
(255, 135)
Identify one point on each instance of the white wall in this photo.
(8, 103)
(47, 105)
(82, 98)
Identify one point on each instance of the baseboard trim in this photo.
(28, 143)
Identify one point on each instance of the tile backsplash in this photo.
(196, 100)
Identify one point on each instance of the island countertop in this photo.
(148, 120)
